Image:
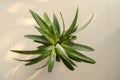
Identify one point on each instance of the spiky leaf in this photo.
(80, 47)
(41, 50)
(56, 23)
(72, 27)
(52, 60)
(78, 55)
(67, 64)
(86, 24)
(46, 35)
(52, 26)
(38, 38)
(62, 53)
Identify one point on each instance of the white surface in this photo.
(103, 34)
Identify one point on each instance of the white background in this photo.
(103, 34)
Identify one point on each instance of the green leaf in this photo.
(29, 52)
(39, 20)
(34, 60)
(67, 64)
(63, 24)
(72, 27)
(52, 26)
(86, 24)
(74, 30)
(63, 54)
(74, 58)
(41, 23)
(73, 38)
(46, 35)
(57, 57)
(59, 49)
(72, 52)
(45, 48)
(52, 60)
(47, 63)
(38, 59)
(56, 23)
(46, 19)
(68, 39)
(43, 65)
(38, 38)
(42, 46)
(33, 52)
(48, 22)
(80, 47)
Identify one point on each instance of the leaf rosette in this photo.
(57, 45)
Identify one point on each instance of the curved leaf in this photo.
(74, 58)
(29, 52)
(63, 24)
(46, 19)
(38, 59)
(56, 23)
(47, 36)
(69, 39)
(62, 52)
(52, 60)
(86, 24)
(57, 57)
(43, 65)
(67, 64)
(80, 47)
(52, 26)
(78, 55)
(40, 22)
(38, 38)
(34, 60)
(32, 52)
(72, 27)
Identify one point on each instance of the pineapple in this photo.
(57, 45)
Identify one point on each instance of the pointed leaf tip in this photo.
(86, 24)
(73, 25)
